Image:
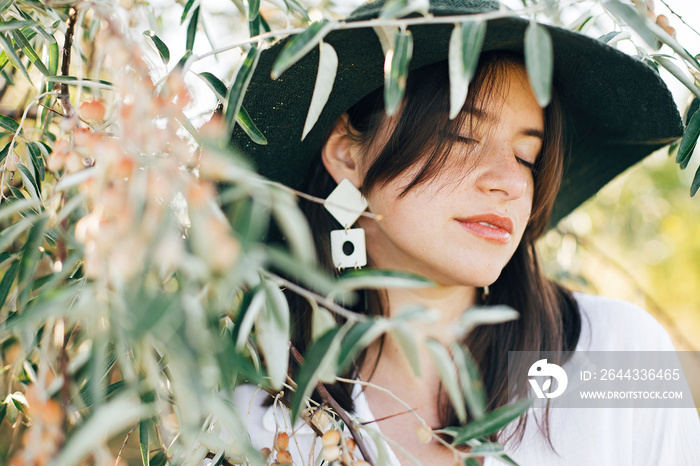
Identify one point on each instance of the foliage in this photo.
(136, 289)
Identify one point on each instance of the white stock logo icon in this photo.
(542, 368)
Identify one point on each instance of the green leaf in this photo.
(4, 5)
(12, 25)
(359, 337)
(9, 234)
(84, 82)
(30, 259)
(3, 410)
(606, 38)
(160, 46)
(53, 58)
(7, 281)
(471, 462)
(10, 208)
(258, 26)
(247, 124)
(465, 47)
(486, 448)
(696, 183)
(539, 61)
(396, 70)
(325, 77)
(272, 334)
(253, 9)
(215, 84)
(10, 125)
(448, 375)
(403, 334)
(12, 55)
(401, 8)
(628, 15)
(490, 422)
(677, 73)
(192, 29)
(470, 380)
(321, 321)
(29, 51)
(144, 428)
(689, 141)
(294, 226)
(240, 83)
(107, 420)
(319, 355)
(186, 10)
(379, 279)
(35, 153)
(299, 46)
(29, 182)
(159, 459)
(485, 315)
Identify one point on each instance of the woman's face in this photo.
(463, 226)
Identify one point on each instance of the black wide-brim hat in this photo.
(619, 110)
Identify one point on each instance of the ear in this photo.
(340, 154)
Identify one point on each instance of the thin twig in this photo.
(679, 17)
(64, 95)
(328, 398)
(119, 456)
(322, 300)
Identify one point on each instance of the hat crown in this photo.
(373, 9)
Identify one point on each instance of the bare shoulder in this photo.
(610, 324)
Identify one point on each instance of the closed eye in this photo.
(524, 162)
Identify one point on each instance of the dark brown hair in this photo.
(423, 135)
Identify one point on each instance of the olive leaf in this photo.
(300, 45)
(671, 67)
(240, 83)
(448, 375)
(539, 62)
(465, 46)
(489, 423)
(160, 46)
(327, 68)
(689, 141)
(396, 70)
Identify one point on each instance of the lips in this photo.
(491, 227)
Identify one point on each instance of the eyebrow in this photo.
(482, 115)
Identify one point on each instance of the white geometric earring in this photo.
(346, 204)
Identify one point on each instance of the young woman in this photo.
(461, 202)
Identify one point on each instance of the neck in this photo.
(449, 301)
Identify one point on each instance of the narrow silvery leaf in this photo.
(386, 35)
(253, 9)
(6, 44)
(299, 46)
(629, 16)
(320, 355)
(491, 422)
(485, 315)
(12, 25)
(689, 141)
(249, 313)
(470, 380)
(401, 8)
(321, 321)
(614, 37)
(327, 67)
(396, 70)
(677, 73)
(272, 334)
(377, 278)
(448, 375)
(240, 83)
(294, 226)
(539, 61)
(407, 342)
(465, 47)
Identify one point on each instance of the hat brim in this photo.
(618, 108)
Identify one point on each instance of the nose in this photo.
(501, 174)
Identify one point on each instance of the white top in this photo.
(583, 436)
